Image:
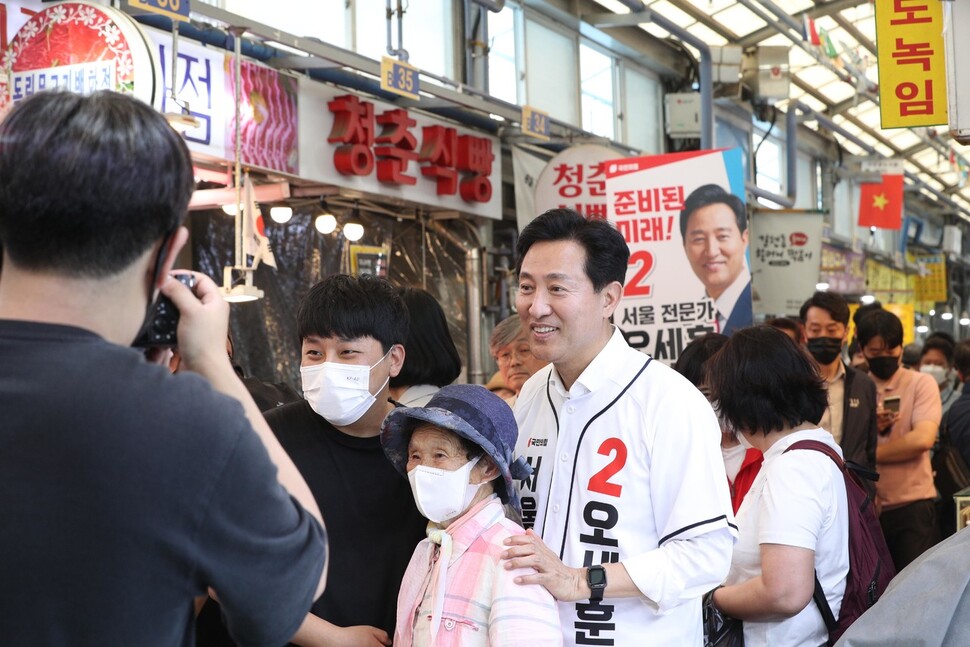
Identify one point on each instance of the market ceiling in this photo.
(843, 88)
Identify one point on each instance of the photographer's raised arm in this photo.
(204, 320)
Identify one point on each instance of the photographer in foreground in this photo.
(127, 492)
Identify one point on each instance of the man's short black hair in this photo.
(879, 323)
(764, 382)
(832, 303)
(961, 359)
(692, 361)
(709, 194)
(940, 344)
(430, 356)
(865, 309)
(350, 307)
(88, 183)
(607, 253)
(942, 334)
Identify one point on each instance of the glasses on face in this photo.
(521, 352)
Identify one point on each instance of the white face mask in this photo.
(442, 495)
(937, 372)
(340, 392)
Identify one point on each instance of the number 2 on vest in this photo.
(600, 482)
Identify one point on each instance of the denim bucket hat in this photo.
(474, 413)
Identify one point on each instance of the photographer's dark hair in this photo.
(607, 253)
(706, 195)
(692, 361)
(879, 323)
(88, 183)
(348, 306)
(430, 355)
(764, 382)
(833, 303)
(961, 358)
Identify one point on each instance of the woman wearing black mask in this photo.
(905, 490)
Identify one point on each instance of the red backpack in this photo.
(870, 564)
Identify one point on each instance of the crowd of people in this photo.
(596, 498)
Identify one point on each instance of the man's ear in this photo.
(611, 294)
(396, 358)
(169, 248)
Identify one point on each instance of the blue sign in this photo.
(400, 78)
(535, 122)
(174, 9)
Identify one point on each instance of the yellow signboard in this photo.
(912, 63)
(931, 280)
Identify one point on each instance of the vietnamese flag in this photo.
(881, 203)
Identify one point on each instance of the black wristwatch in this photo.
(596, 579)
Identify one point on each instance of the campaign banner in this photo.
(931, 281)
(786, 256)
(684, 218)
(574, 179)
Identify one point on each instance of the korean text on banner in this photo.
(684, 218)
(912, 63)
(786, 256)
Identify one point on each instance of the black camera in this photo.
(164, 320)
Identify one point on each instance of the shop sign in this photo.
(912, 63)
(204, 85)
(174, 9)
(366, 145)
(575, 179)
(535, 123)
(79, 46)
(400, 78)
(843, 270)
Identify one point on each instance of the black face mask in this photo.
(883, 367)
(825, 349)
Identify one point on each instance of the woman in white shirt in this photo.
(793, 523)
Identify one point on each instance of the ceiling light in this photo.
(965, 318)
(353, 231)
(866, 299)
(822, 286)
(921, 328)
(230, 209)
(932, 312)
(242, 293)
(281, 214)
(947, 314)
(326, 223)
(182, 121)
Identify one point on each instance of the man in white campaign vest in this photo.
(628, 508)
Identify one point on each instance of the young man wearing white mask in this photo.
(936, 360)
(353, 330)
(456, 452)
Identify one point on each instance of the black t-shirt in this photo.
(125, 491)
(372, 521)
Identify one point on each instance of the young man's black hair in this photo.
(350, 307)
(831, 302)
(880, 323)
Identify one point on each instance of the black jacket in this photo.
(859, 429)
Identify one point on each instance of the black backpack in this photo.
(950, 475)
(870, 564)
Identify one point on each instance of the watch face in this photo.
(596, 576)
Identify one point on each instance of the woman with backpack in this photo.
(793, 523)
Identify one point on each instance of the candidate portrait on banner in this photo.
(714, 228)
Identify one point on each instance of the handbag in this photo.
(720, 630)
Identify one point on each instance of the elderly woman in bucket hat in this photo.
(456, 452)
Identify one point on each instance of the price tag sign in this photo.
(174, 9)
(400, 78)
(535, 123)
